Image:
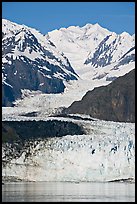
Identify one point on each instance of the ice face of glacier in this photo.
(105, 153)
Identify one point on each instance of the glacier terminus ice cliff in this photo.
(106, 152)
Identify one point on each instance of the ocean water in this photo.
(68, 191)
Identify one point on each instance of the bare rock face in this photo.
(114, 102)
(7, 95)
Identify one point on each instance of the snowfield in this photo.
(105, 153)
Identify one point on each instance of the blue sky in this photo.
(47, 16)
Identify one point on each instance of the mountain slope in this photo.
(111, 49)
(77, 42)
(51, 63)
(31, 62)
(114, 102)
(91, 48)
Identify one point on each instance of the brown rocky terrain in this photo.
(114, 102)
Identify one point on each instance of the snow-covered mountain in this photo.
(91, 54)
(113, 48)
(29, 61)
(77, 42)
(92, 46)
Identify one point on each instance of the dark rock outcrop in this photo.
(27, 130)
(114, 102)
(7, 95)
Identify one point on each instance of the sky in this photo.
(47, 16)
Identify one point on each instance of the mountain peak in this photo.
(97, 25)
(95, 28)
(92, 26)
(87, 26)
(125, 34)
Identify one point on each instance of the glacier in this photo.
(105, 153)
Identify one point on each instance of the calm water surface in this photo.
(67, 191)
